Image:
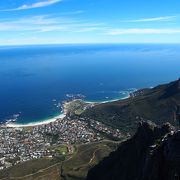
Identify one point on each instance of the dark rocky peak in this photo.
(148, 132)
(164, 162)
(172, 147)
(153, 153)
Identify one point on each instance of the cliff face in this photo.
(153, 153)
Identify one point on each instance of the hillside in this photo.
(153, 153)
(141, 156)
(159, 104)
(75, 166)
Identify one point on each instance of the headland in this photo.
(69, 107)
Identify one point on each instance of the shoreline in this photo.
(107, 101)
(32, 124)
(56, 118)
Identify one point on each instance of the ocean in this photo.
(34, 80)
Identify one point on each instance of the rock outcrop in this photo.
(153, 153)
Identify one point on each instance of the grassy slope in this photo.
(75, 166)
(158, 104)
(86, 157)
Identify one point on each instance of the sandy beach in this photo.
(65, 105)
(14, 125)
(108, 101)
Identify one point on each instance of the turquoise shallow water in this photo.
(33, 77)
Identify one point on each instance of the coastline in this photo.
(61, 116)
(107, 101)
(48, 121)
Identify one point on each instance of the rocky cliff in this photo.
(153, 153)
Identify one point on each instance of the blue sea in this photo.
(35, 79)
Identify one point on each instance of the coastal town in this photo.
(20, 144)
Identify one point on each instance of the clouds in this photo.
(154, 19)
(45, 23)
(71, 20)
(34, 5)
(139, 31)
(137, 27)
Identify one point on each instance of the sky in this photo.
(89, 21)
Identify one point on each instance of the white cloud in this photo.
(44, 23)
(163, 18)
(143, 31)
(73, 12)
(34, 5)
(88, 29)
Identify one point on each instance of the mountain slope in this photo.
(159, 104)
(153, 153)
(74, 167)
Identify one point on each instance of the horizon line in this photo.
(93, 43)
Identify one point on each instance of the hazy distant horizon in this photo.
(69, 44)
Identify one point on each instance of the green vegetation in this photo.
(79, 111)
(75, 166)
(27, 129)
(26, 168)
(62, 150)
(159, 105)
(76, 107)
(87, 156)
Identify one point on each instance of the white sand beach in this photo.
(14, 125)
(61, 116)
(103, 102)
